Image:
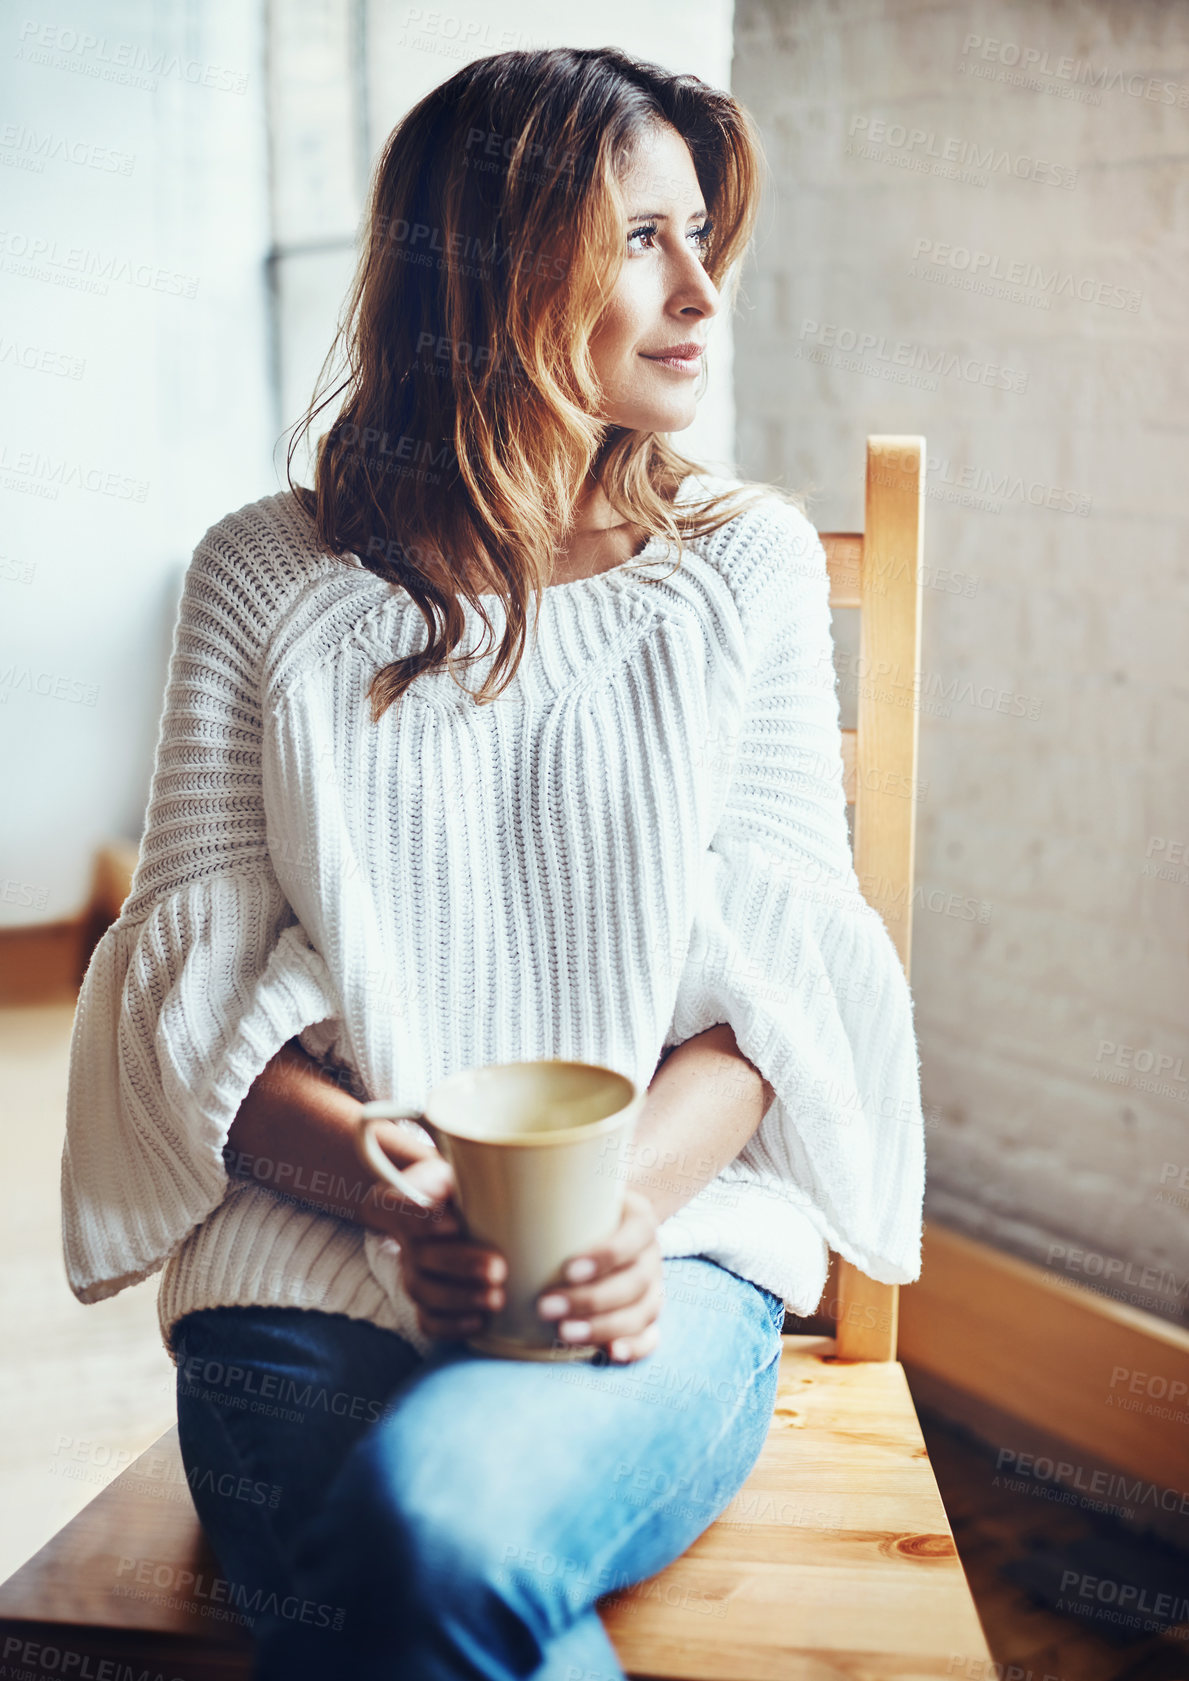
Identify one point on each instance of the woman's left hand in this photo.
(614, 1290)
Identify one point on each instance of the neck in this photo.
(597, 539)
(593, 513)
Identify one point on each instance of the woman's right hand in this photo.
(454, 1282)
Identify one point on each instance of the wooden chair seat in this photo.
(835, 1559)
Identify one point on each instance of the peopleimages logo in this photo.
(998, 489)
(1032, 62)
(211, 1593)
(924, 147)
(953, 262)
(966, 1668)
(78, 268)
(41, 1658)
(15, 679)
(1155, 1611)
(1069, 1483)
(239, 1382)
(873, 349)
(33, 148)
(124, 62)
(39, 360)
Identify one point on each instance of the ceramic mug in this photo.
(537, 1152)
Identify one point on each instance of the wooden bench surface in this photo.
(834, 1560)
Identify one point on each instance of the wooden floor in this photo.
(1015, 1548)
(84, 1389)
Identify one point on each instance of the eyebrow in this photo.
(663, 215)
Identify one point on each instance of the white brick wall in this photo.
(1073, 556)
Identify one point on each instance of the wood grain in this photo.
(879, 571)
(835, 1558)
(1038, 1346)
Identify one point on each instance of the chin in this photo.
(657, 420)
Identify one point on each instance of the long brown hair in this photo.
(471, 420)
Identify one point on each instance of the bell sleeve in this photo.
(785, 948)
(205, 974)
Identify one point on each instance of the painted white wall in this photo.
(979, 233)
(136, 403)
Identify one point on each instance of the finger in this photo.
(413, 1224)
(431, 1175)
(615, 1289)
(458, 1258)
(624, 1349)
(406, 1142)
(412, 1136)
(449, 1325)
(407, 1221)
(454, 1298)
(625, 1321)
(636, 1230)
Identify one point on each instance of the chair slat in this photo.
(844, 562)
(885, 781)
(849, 760)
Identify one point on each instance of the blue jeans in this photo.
(380, 1515)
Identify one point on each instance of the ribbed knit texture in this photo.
(644, 836)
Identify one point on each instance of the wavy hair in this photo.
(470, 422)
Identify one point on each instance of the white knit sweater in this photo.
(644, 836)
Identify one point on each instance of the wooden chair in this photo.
(836, 1559)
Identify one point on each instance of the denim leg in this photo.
(270, 1400)
(471, 1529)
(583, 1652)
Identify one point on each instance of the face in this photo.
(646, 347)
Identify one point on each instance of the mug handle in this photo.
(380, 1162)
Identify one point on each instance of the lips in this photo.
(688, 352)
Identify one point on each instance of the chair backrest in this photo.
(878, 570)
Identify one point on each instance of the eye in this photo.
(700, 235)
(649, 229)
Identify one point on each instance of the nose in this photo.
(694, 293)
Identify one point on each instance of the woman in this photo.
(632, 851)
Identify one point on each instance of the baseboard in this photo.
(1043, 1370)
(44, 963)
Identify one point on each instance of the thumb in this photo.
(431, 1176)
